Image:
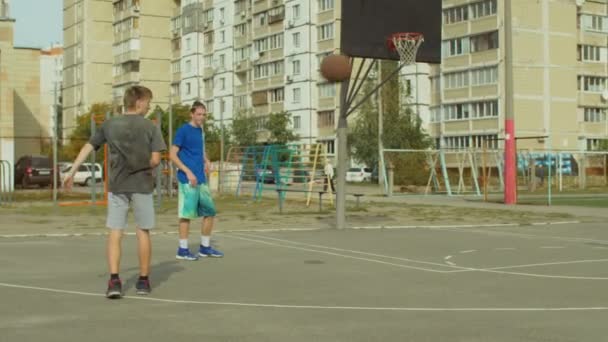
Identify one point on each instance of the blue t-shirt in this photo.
(191, 143)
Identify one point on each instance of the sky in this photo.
(39, 22)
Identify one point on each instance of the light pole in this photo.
(510, 194)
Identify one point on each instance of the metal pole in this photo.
(159, 188)
(220, 172)
(510, 193)
(169, 143)
(342, 159)
(94, 156)
(380, 129)
(549, 178)
(55, 172)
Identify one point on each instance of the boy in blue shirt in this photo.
(194, 197)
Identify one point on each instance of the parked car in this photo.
(359, 174)
(34, 170)
(84, 174)
(267, 174)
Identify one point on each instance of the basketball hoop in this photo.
(406, 44)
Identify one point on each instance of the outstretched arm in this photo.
(82, 156)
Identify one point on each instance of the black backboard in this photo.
(366, 24)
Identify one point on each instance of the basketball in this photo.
(336, 68)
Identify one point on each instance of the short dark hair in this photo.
(135, 93)
(197, 104)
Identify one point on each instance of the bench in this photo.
(320, 192)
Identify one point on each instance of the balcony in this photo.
(132, 55)
(130, 77)
(132, 11)
(243, 65)
(126, 35)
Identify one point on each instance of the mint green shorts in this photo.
(194, 201)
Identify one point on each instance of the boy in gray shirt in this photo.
(135, 144)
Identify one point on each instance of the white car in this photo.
(359, 174)
(84, 175)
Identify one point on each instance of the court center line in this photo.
(312, 307)
(459, 268)
(235, 236)
(343, 250)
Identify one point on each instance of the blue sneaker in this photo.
(209, 252)
(184, 254)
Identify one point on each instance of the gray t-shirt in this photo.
(131, 140)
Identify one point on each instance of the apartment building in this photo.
(21, 127)
(87, 70)
(559, 74)
(260, 57)
(141, 49)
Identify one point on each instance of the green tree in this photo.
(402, 129)
(244, 129)
(278, 126)
(82, 132)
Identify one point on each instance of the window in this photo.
(222, 83)
(326, 31)
(325, 119)
(455, 47)
(222, 13)
(188, 88)
(260, 19)
(457, 80)
(483, 42)
(458, 142)
(188, 44)
(276, 95)
(459, 111)
(296, 39)
(484, 76)
(488, 141)
(325, 5)
(297, 95)
(268, 69)
(222, 36)
(188, 66)
(591, 84)
(240, 101)
(297, 122)
(436, 114)
(595, 114)
(327, 90)
(596, 144)
(269, 43)
(594, 23)
(483, 8)
(295, 66)
(455, 15)
(484, 109)
(240, 30)
(175, 67)
(590, 53)
(222, 62)
(208, 60)
(295, 11)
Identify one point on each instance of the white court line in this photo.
(468, 251)
(552, 247)
(310, 307)
(460, 269)
(522, 235)
(492, 225)
(336, 254)
(342, 250)
(505, 249)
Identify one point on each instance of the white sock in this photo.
(205, 240)
(183, 243)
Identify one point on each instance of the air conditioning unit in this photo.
(290, 23)
(288, 79)
(136, 8)
(221, 21)
(243, 14)
(255, 56)
(275, 2)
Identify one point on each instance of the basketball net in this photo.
(406, 45)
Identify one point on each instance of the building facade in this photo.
(51, 79)
(22, 130)
(559, 74)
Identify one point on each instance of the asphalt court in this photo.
(491, 283)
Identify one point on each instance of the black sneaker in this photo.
(114, 289)
(143, 287)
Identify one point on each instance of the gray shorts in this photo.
(118, 208)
